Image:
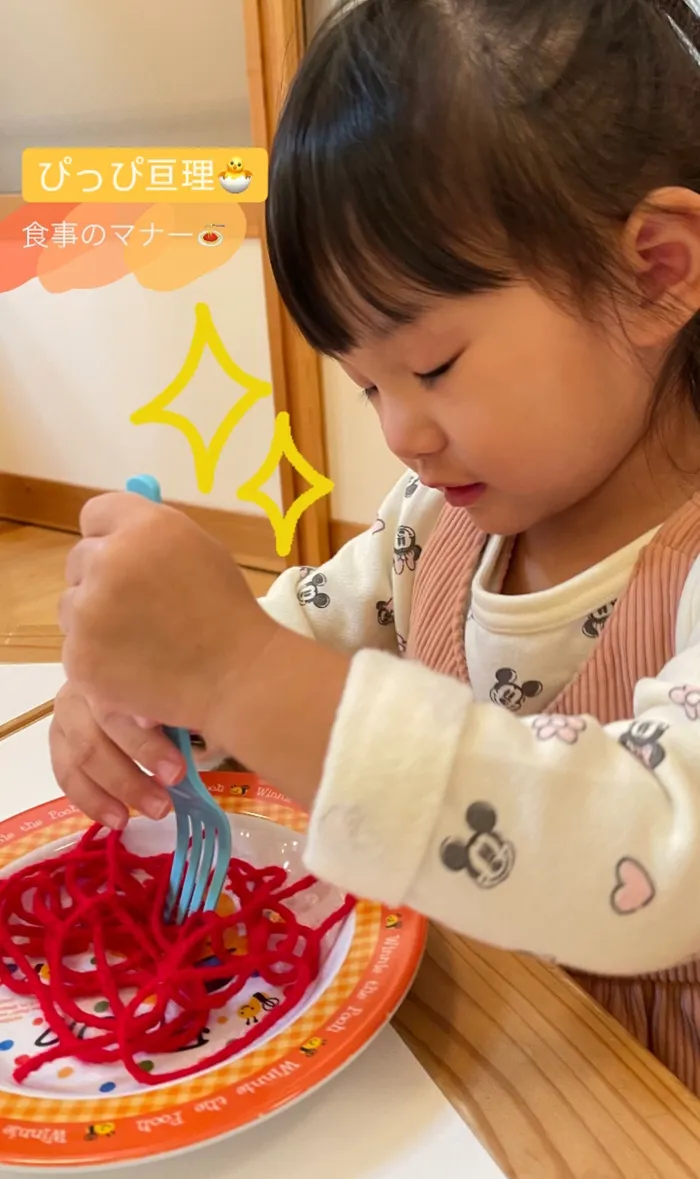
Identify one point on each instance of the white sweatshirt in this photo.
(552, 835)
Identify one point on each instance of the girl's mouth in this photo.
(465, 496)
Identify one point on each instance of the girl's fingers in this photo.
(94, 802)
(77, 560)
(82, 753)
(146, 745)
(89, 798)
(65, 610)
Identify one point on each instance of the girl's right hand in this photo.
(95, 762)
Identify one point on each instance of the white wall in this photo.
(75, 366)
(359, 461)
(148, 73)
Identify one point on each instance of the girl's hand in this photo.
(158, 619)
(95, 761)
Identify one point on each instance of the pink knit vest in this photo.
(661, 1010)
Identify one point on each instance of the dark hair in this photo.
(444, 146)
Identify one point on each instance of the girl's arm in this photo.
(361, 597)
(355, 599)
(569, 840)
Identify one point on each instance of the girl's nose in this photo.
(409, 432)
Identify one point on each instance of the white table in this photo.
(381, 1118)
(25, 685)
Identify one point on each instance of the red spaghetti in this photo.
(161, 981)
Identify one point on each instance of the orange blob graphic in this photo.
(78, 247)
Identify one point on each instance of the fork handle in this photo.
(182, 741)
(149, 488)
(146, 486)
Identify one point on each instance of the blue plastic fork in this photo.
(203, 843)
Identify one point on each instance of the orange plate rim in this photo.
(50, 1135)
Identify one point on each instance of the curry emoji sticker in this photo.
(211, 236)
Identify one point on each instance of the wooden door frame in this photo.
(275, 40)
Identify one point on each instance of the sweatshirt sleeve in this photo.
(551, 835)
(361, 597)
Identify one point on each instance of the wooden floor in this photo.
(31, 579)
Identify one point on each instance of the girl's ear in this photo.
(661, 242)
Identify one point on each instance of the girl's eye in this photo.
(427, 379)
(434, 375)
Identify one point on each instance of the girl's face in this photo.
(510, 391)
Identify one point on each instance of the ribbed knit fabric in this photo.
(660, 1010)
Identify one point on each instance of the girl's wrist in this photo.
(239, 664)
(275, 715)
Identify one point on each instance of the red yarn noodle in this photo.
(100, 898)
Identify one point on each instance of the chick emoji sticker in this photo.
(235, 178)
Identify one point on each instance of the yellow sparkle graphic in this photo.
(157, 412)
(283, 446)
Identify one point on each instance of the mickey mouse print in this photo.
(406, 550)
(485, 856)
(510, 693)
(311, 589)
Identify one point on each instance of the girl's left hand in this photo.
(158, 619)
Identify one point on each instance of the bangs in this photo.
(369, 216)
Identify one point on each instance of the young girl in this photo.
(489, 213)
